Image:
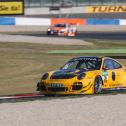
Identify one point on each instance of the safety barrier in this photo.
(33, 21)
(47, 21)
(105, 9)
(7, 21)
(68, 20)
(24, 21)
(103, 22)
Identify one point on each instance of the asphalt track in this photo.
(102, 35)
(89, 35)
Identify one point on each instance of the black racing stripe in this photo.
(87, 89)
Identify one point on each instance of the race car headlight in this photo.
(63, 30)
(81, 76)
(45, 76)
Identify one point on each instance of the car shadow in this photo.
(62, 97)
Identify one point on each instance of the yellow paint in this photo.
(105, 9)
(15, 7)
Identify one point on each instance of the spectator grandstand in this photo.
(69, 3)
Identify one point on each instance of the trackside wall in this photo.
(19, 21)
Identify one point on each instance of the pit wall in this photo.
(19, 21)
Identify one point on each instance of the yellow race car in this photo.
(84, 75)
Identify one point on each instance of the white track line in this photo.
(18, 97)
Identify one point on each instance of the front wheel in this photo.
(76, 33)
(48, 33)
(98, 85)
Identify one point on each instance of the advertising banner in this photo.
(72, 21)
(106, 9)
(11, 7)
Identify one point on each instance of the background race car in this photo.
(62, 30)
(84, 75)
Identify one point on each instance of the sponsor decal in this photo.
(105, 9)
(105, 75)
(55, 85)
(84, 58)
(12, 7)
(116, 84)
(72, 21)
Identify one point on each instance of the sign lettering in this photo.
(12, 7)
(106, 9)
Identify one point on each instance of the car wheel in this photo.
(98, 85)
(51, 32)
(47, 33)
(49, 95)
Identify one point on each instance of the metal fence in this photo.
(69, 3)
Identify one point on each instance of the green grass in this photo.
(22, 64)
(89, 51)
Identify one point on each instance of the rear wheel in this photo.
(98, 85)
(49, 95)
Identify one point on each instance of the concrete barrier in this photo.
(33, 21)
(102, 22)
(7, 21)
(24, 21)
(122, 22)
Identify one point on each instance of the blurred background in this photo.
(70, 3)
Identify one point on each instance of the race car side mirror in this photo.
(60, 68)
(105, 68)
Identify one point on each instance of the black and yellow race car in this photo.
(84, 75)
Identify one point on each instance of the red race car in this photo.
(62, 30)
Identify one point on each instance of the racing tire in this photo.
(98, 85)
(49, 95)
(76, 33)
(48, 33)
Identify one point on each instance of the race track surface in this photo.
(103, 35)
(90, 35)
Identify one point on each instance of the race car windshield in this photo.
(83, 64)
(59, 25)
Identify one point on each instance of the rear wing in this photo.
(118, 57)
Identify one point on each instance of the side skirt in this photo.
(114, 89)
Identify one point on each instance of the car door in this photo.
(109, 74)
(120, 73)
